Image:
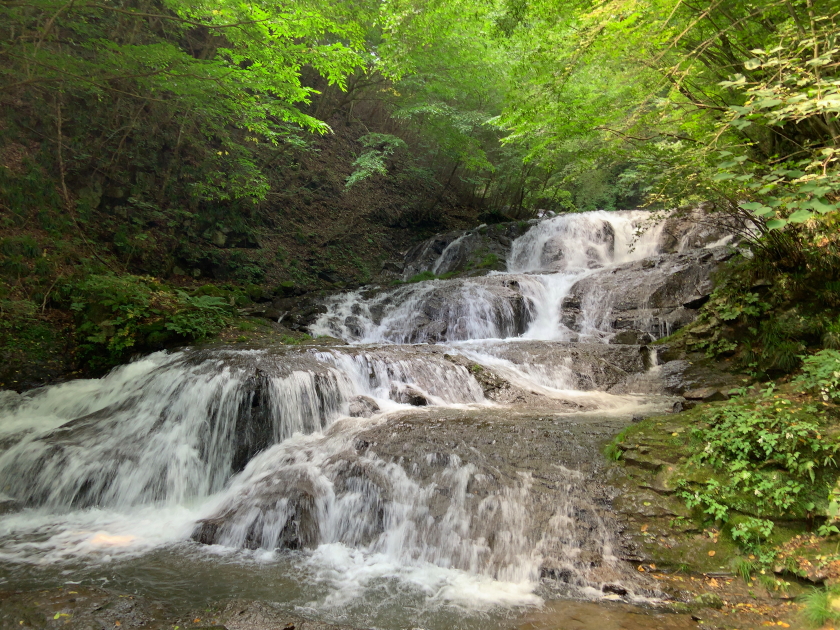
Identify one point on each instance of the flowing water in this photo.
(383, 483)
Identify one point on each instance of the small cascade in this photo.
(172, 428)
(415, 503)
(578, 242)
(489, 307)
(447, 257)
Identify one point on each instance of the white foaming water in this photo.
(575, 243)
(544, 264)
(447, 256)
(173, 428)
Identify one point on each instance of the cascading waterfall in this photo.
(526, 301)
(173, 428)
(375, 448)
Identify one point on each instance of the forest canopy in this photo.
(568, 105)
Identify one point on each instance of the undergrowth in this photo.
(769, 453)
(768, 313)
(121, 315)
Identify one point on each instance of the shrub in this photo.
(821, 373)
(119, 315)
(765, 454)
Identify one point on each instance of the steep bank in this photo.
(311, 234)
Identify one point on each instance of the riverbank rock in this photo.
(657, 295)
(363, 407)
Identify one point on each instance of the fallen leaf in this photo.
(644, 528)
(783, 624)
(674, 434)
(645, 502)
(196, 620)
(117, 623)
(652, 567)
(641, 568)
(711, 553)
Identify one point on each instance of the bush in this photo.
(821, 373)
(119, 315)
(766, 454)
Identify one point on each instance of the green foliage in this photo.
(767, 317)
(767, 455)
(613, 451)
(792, 84)
(373, 161)
(120, 315)
(750, 532)
(818, 609)
(821, 373)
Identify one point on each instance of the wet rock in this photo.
(393, 266)
(631, 337)
(254, 430)
(480, 249)
(449, 310)
(363, 407)
(648, 295)
(703, 377)
(297, 313)
(408, 395)
(705, 394)
(296, 500)
(697, 227)
(266, 311)
(251, 615)
(637, 459)
(708, 600)
(617, 589)
(466, 485)
(9, 505)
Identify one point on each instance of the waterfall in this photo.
(525, 301)
(404, 453)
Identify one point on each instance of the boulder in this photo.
(408, 395)
(657, 295)
(479, 250)
(631, 337)
(706, 394)
(363, 407)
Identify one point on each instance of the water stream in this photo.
(437, 470)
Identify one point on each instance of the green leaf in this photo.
(822, 206)
(740, 123)
(800, 216)
(776, 224)
(753, 205)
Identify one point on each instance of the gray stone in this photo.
(408, 395)
(706, 394)
(649, 295)
(631, 337)
(363, 407)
